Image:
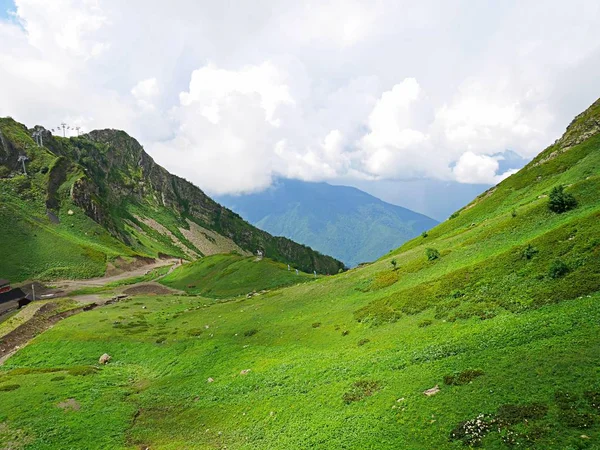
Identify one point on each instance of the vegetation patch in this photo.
(360, 390)
(464, 377)
(560, 201)
(195, 332)
(82, 371)
(574, 412)
(250, 332)
(432, 254)
(558, 269)
(9, 387)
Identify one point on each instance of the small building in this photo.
(13, 299)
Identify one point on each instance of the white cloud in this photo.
(231, 97)
(482, 169)
(146, 92)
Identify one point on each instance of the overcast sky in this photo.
(231, 95)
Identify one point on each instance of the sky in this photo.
(377, 94)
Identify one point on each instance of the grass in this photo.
(509, 336)
(222, 276)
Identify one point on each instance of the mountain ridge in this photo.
(108, 176)
(343, 221)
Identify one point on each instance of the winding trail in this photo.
(46, 314)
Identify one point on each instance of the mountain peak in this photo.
(583, 126)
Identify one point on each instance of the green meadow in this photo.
(495, 314)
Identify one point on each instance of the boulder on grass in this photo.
(434, 390)
(104, 359)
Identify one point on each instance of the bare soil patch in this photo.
(148, 289)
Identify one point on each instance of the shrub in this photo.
(195, 332)
(529, 252)
(513, 213)
(432, 254)
(59, 378)
(363, 342)
(424, 234)
(558, 269)
(393, 262)
(455, 215)
(560, 201)
(160, 340)
(425, 323)
(345, 333)
(316, 324)
(250, 332)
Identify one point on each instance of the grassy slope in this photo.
(221, 276)
(482, 305)
(32, 246)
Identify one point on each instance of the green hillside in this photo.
(499, 307)
(99, 201)
(221, 276)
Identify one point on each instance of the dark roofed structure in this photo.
(15, 298)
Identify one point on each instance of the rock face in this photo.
(104, 359)
(117, 184)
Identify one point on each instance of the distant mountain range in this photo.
(341, 221)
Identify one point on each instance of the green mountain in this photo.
(99, 200)
(341, 221)
(485, 333)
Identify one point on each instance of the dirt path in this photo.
(46, 315)
(72, 285)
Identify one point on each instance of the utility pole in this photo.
(33, 292)
(63, 125)
(22, 159)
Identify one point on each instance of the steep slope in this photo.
(50, 217)
(341, 221)
(485, 334)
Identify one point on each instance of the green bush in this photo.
(393, 262)
(424, 234)
(529, 252)
(250, 332)
(561, 201)
(425, 323)
(558, 269)
(432, 254)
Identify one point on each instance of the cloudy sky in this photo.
(232, 95)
